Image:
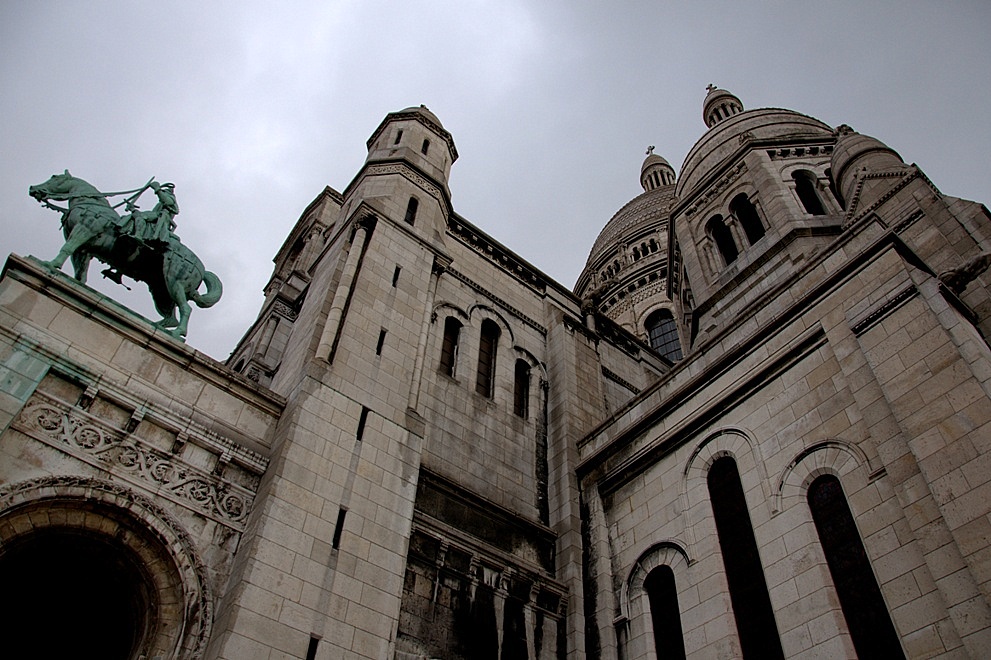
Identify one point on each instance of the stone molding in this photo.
(196, 617)
(89, 439)
(496, 254)
(461, 277)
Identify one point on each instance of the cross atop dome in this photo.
(719, 105)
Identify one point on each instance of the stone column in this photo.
(439, 266)
(343, 292)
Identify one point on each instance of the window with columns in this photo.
(449, 348)
(806, 186)
(720, 234)
(746, 214)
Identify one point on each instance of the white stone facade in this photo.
(425, 448)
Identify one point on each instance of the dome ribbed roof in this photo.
(725, 138)
(653, 159)
(647, 208)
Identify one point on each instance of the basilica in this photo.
(758, 427)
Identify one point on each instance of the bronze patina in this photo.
(141, 245)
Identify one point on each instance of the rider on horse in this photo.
(154, 226)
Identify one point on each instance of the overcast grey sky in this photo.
(251, 108)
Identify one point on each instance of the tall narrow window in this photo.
(449, 349)
(399, 136)
(425, 147)
(662, 334)
(381, 342)
(746, 213)
(521, 389)
(411, 210)
(860, 597)
(311, 650)
(487, 346)
(664, 613)
(723, 239)
(805, 186)
(747, 588)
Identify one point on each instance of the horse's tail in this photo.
(214, 289)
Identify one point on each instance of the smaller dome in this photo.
(719, 105)
(655, 171)
(423, 110)
(854, 151)
(653, 159)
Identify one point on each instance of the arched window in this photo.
(746, 214)
(521, 389)
(747, 588)
(662, 334)
(487, 346)
(411, 208)
(664, 613)
(723, 239)
(863, 606)
(805, 186)
(636, 254)
(449, 349)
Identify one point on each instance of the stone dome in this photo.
(655, 172)
(634, 218)
(653, 159)
(853, 151)
(726, 137)
(719, 105)
(425, 112)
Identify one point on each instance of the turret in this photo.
(655, 171)
(417, 136)
(719, 105)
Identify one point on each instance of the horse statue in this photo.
(93, 228)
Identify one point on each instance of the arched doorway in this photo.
(75, 595)
(92, 569)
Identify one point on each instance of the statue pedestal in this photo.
(118, 441)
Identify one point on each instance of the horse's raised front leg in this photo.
(80, 236)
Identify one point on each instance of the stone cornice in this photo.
(497, 254)
(461, 277)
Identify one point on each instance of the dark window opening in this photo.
(411, 210)
(395, 275)
(752, 610)
(311, 650)
(381, 342)
(425, 147)
(399, 136)
(362, 418)
(339, 528)
(449, 349)
(521, 389)
(863, 606)
(664, 613)
(487, 346)
(746, 214)
(662, 334)
(805, 186)
(723, 239)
